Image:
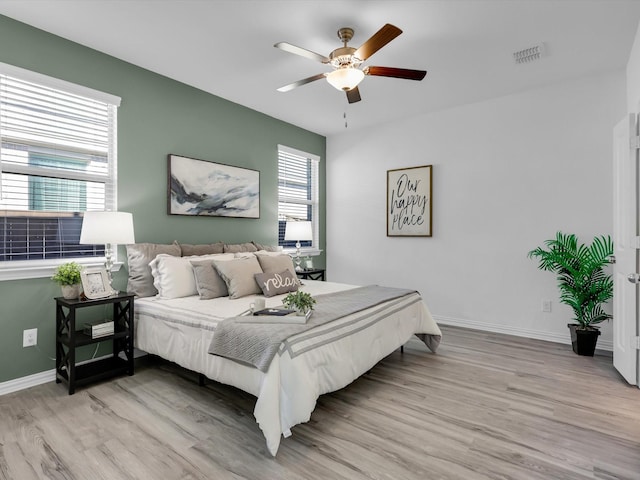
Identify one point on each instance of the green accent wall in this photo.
(157, 116)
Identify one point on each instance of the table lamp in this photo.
(108, 228)
(298, 231)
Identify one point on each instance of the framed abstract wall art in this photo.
(409, 202)
(199, 187)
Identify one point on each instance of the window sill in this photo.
(21, 270)
(304, 252)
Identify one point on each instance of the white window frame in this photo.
(24, 269)
(314, 202)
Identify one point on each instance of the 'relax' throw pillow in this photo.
(277, 283)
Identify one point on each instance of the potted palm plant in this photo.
(583, 283)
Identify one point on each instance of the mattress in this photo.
(181, 330)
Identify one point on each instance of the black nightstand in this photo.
(69, 337)
(311, 274)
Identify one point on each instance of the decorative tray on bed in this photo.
(275, 315)
(277, 312)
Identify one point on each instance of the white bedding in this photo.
(181, 329)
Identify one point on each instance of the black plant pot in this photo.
(583, 341)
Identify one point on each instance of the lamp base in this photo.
(297, 260)
(108, 266)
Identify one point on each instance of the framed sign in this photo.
(409, 202)
(199, 187)
(95, 283)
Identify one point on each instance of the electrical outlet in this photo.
(30, 337)
(546, 306)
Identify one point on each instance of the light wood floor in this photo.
(487, 406)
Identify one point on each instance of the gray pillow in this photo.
(140, 281)
(239, 247)
(239, 274)
(277, 283)
(276, 263)
(266, 248)
(204, 249)
(208, 281)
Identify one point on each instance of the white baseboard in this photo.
(29, 381)
(517, 331)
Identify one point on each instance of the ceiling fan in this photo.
(346, 62)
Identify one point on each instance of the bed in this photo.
(324, 359)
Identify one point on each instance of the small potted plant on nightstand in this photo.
(300, 301)
(583, 283)
(67, 276)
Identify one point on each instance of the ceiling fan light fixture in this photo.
(345, 79)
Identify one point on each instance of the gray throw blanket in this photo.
(255, 344)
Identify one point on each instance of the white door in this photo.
(625, 233)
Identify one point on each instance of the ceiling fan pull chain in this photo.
(345, 119)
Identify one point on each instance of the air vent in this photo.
(529, 54)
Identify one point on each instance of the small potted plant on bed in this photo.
(582, 281)
(300, 301)
(68, 277)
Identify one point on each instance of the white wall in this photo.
(633, 75)
(508, 173)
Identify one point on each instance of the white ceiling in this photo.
(225, 47)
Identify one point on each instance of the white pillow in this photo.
(173, 276)
(244, 254)
(269, 253)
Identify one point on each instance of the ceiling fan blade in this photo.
(395, 72)
(377, 41)
(287, 47)
(353, 95)
(304, 81)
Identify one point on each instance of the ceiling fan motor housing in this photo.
(343, 58)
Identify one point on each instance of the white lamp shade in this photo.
(107, 227)
(298, 231)
(345, 78)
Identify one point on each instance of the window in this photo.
(57, 160)
(298, 193)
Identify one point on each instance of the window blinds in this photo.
(297, 191)
(57, 159)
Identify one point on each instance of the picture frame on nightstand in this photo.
(95, 283)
